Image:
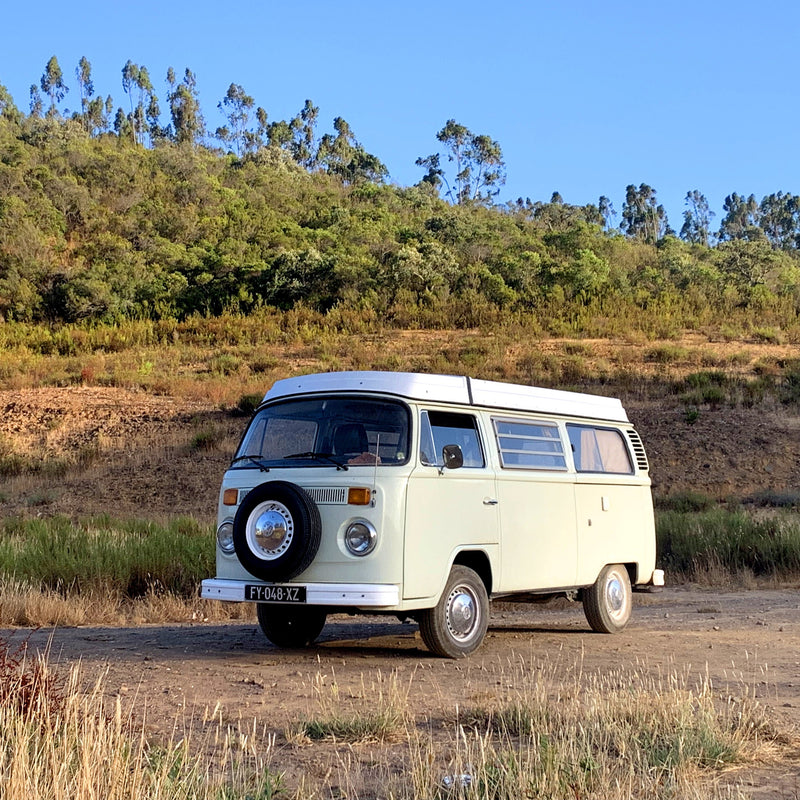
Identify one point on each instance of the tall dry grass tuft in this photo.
(63, 742)
(341, 714)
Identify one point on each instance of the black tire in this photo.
(290, 626)
(456, 625)
(277, 531)
(608, 602)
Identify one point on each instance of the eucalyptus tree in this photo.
(304, 143)
(83, 72)
(36, 105)
(188, 125)
(144, 114)
(236, 106)
(147, 105)
(8, 109)
(696, 219)
(98, 114)
(477, 160)
(606, 211)
(130, 75)
(259, 136)
(741, 220)
(779, 218)
(344, 156)
(52, 83)
(642, 216)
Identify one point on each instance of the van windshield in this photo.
(322, 431)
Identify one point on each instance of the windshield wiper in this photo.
(255, 459)
(320, 457)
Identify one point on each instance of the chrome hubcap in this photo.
(462, 613)
(270, 530)
(616, 597)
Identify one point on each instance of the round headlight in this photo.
(360, 538)
(225, 536)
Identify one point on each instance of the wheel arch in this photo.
(478, 562)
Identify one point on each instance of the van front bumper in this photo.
(358, 595)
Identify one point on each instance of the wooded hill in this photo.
(140, 220)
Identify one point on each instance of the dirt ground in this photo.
(746, 642)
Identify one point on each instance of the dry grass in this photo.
(552, 732)
(341, 717)
(216, 361)
(66, 742)
(28, 606)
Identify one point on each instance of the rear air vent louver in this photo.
(638, 451)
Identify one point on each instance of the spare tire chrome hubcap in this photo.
(270, 530)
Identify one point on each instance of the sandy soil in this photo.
(745, 641)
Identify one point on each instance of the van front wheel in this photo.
(456, 625)
(608, 601)
(290, 627)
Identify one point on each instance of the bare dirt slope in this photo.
(746, 642)
(150, 456)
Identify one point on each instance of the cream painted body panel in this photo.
(444, 514)
(615, 526)
(333, 564)
(539, 543)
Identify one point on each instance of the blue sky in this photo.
(583, 97)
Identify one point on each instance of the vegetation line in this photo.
(107, 216)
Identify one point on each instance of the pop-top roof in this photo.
(455, 389)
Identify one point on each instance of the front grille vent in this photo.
(331, 496)
(638, 451)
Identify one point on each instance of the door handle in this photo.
(489, 501)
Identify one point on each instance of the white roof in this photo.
(455, 389)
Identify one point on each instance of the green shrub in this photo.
(101, 555)
(734, 541)
(225, 364)
(790, 384)
(774, 499)
(685, 502)
(247, 404)
(667, 354)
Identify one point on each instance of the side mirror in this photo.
(452, 457)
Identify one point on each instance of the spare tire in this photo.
(277, 531)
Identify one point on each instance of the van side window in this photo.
(599, 450)
(438, 428)
(529, 445)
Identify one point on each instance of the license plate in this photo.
(275, 594)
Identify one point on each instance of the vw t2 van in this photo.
(425, 496)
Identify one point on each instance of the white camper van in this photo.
(423, 496)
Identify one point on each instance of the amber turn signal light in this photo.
(230, 497)
(358, 496)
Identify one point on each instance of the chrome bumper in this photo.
(358, 595)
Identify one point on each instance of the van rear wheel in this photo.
(607, 603)
(289, 626)
(456, 625)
